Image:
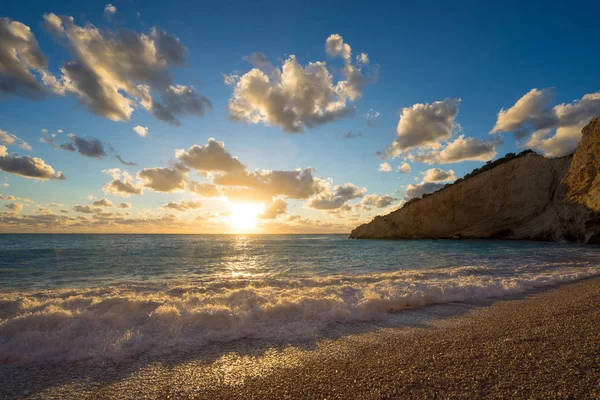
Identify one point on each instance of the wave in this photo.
(131, 318)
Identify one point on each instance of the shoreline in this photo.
(540, 344)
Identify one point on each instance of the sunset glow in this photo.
(244, 217)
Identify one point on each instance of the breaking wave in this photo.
(129, 319)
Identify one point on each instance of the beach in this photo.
(540, 344)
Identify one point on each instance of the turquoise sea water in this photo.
(98, 296)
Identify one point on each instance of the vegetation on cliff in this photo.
(486, 167)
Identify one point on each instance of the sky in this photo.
(274, 117)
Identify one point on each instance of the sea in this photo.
(98, 297)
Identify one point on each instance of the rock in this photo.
(528, 197)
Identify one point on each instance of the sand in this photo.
(545, 344)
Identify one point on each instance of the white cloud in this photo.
(333, 198)
(439, 175)
(404, 168)
(204, 189)
(385, 167)
(276, 208)
(141, 130)
(294, 97)
(86, 209)
(116, 71)
(556, 131)
(209, 157)
(424, 126)
(19, 56)
(376, 200)
(182, 205)
(371, 117)
(564, 140)
(362, 58)
(28, 167)
(10, 139)
(418, 190)
(335, 46)
(102, 203)
(109, 8)
(121, 185)
(15, 207)
(467, 149)
(162, 179)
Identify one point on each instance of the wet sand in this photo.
(544, 344)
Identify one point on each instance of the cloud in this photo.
(385, 167)
(458, 150)
(418, 190)
(113, 72)
(48, 139)
(531, 109)
(424, 126)
(128, 163)
(555, 131)
(162, 179)
(209, 157)
(102, 203)
(276, 208)
(294, 97)
(438, 175)
(28, 167)
(110, 9)
(563, 142)
(182, 205)
(404, 168)
(362, 58)
(88, 146)
(19, 56)
(204, 189)
(371, 117)
(335, 46)
(43, 210)
(86, 209)
(298, 184)
(351, 135)
(376, 200)
(8, 197)
(141, 130)
(10, 139)
(179, 100)
(121, 185)
(467, 149)
(16, 207)
(121, 188)
(124, 205)
(331, 199)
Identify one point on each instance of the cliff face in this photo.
(530, 197)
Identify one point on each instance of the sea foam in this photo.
(132, 318)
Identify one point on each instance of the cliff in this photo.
(528, 197)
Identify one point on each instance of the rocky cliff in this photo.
(529, 197)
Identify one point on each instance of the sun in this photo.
(244, 217)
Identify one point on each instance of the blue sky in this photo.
(488, 55)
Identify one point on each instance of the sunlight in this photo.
(244, 217)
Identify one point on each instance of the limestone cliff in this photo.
(529, 197)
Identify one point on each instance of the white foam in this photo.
(128, 319)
